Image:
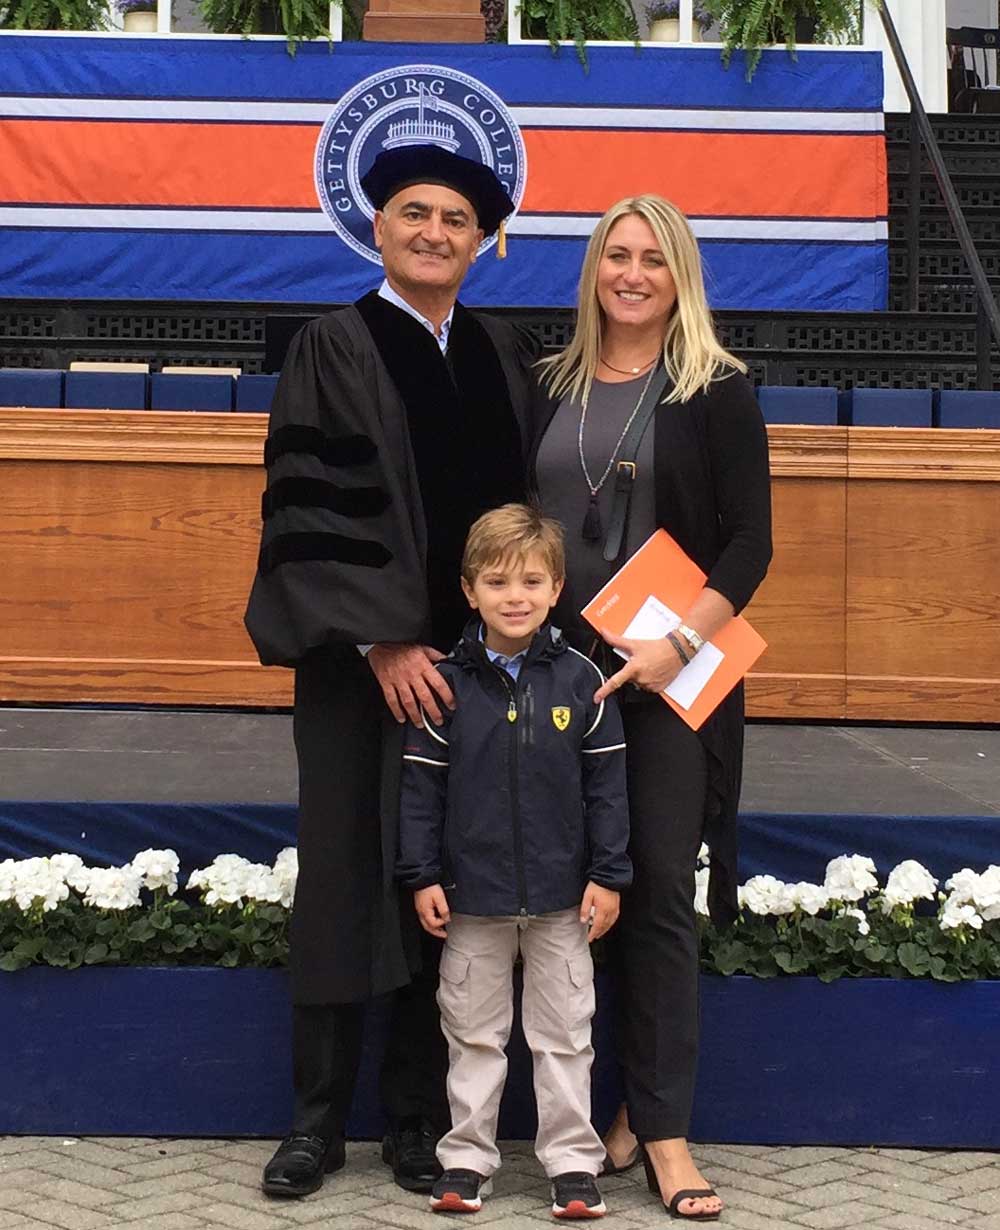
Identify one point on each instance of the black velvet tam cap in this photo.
(396, 169)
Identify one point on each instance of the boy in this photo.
(513, 834)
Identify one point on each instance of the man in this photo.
(396, 423)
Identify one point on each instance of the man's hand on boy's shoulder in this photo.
(432, 910)
(409, 680)
(600, 908)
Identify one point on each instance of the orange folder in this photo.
(657, 581)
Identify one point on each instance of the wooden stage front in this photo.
(128, 541)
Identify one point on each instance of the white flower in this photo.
(962, 885)
(286, 872)
(850, 877)
(262, 884)
(954, 915)
(980, 891)
(34, 881)
(72, 869)
(158, 869)
(908, 882)
(809, 898)
(7, 879)
(861, 918)
(766, 895)
(226, 880)
(987, 895)
(704, 854)
(701, 891)
(113, 888)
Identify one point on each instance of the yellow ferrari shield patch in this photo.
(560, 717)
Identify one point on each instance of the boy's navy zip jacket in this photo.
(518, 798)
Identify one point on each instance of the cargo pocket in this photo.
(582, 1000)
(453, 989)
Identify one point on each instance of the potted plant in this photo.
(751, 25)
(53, 15)
(663, 17)
(297, 19)
(579, 20)
(138, 16)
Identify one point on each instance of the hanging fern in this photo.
(53, 15)
(755, 24)
(562, 20)
(298, 19)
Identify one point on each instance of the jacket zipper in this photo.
(512, 691)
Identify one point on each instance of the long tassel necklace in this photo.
(592, 530)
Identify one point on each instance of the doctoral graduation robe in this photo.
(380, 454)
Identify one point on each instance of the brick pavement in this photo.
(50, 1183)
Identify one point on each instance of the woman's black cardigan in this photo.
(713, 496)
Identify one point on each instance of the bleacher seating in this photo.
(966, 408)
(886, 407)
(170, 392)
(254, 393)
(787, 404)
(104, 391)
(22, 386)
(781, 404)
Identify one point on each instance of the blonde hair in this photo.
(513, 531)
(692, 354)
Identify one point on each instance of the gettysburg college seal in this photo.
(415, 104)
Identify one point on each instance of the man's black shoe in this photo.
(299, 1164)
(409, 1148)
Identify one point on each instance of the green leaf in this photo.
(791, 962)
(914, 959)
(95, 954)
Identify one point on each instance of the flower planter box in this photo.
(205, 1052)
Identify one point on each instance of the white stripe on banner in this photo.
(540, 226)
(698, 118)
(717, 228)
(643, 118)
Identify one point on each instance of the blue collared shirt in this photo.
(386, 292)
(511, 665)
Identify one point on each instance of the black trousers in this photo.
(326, 1053)
(655, 944)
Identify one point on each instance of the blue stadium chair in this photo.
(29, 386)
(190, 392)
(786, 404)
(105, 391)
(967, 408)
(890, 408)
(254, 393)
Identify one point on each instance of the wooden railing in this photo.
(128, 542)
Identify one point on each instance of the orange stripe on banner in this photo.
(81, 162)
(270, 166)
(707, 173)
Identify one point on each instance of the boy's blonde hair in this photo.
(513, 531)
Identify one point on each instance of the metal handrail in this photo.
(987, 311)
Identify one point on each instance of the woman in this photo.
(702, 474)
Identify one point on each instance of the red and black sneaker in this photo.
(460, 1191)
(575, 1197)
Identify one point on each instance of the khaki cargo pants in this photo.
(475, 995)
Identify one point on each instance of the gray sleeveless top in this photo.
(565, 495)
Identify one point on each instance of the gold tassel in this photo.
(502, 241)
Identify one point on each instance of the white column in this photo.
(921, 28)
